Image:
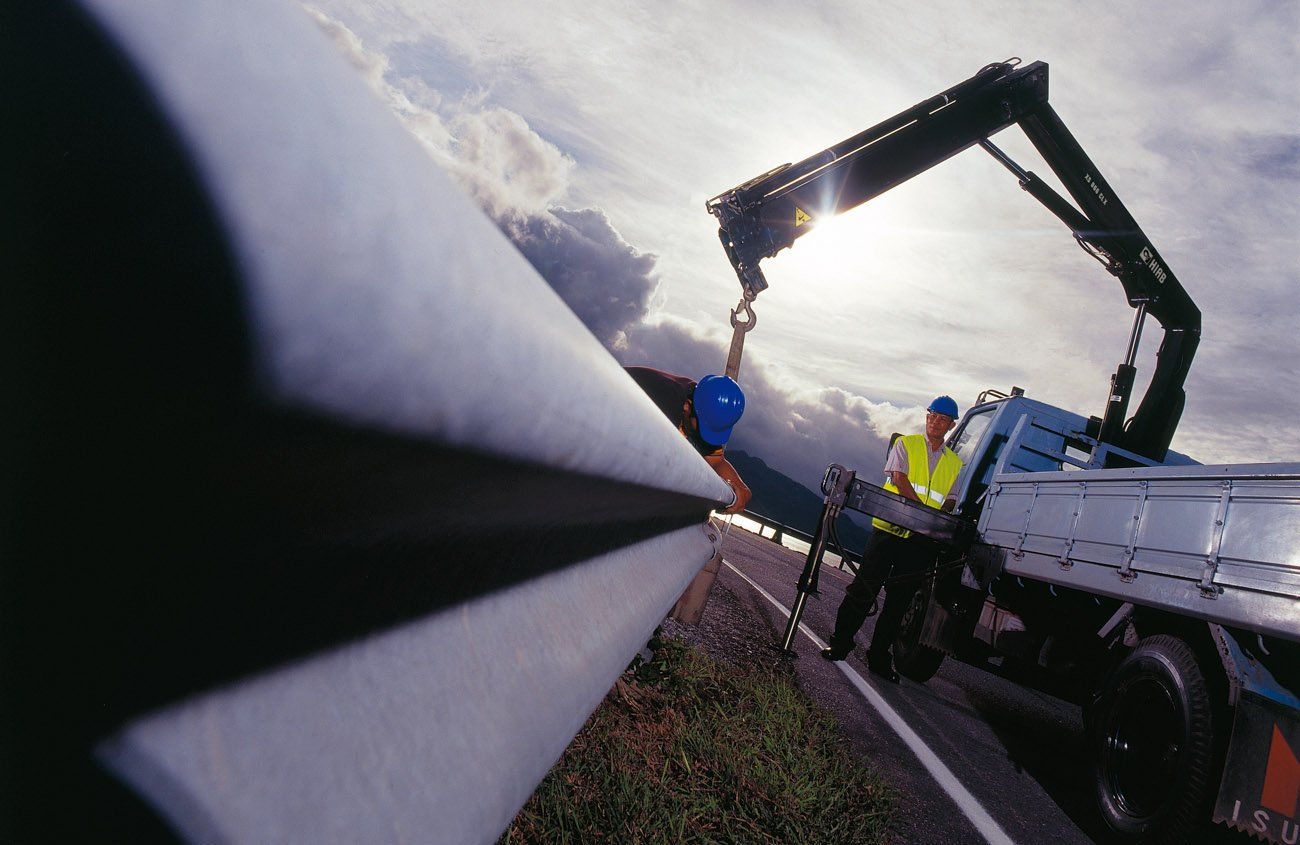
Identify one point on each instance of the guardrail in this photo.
(780, 530)
(325, 519)
(850, 560)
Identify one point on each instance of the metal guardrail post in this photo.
(780, 529)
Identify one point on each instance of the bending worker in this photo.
(922, 469)
(704, 413)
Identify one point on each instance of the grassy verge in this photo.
(683, 750)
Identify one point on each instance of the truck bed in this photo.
(1218, 542)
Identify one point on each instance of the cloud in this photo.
(372, 66)
(517, 177)
(1274, 155)
(797, 432)
(509, 168)
(594, 142)
(413, 101)
(606, 281)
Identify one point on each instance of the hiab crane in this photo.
(1162, 595)
(767, 214)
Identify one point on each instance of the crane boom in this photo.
(768, 213)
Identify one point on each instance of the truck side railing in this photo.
(1213, 542)
(1022, 440)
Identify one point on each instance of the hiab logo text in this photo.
(1154, 266)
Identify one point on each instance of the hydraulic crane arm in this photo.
(768, 213)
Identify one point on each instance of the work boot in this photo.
(834, 653)
(883, 666)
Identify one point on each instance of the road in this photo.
(1018, 753)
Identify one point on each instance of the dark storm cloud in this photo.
(1274, 156)
(606, 282)
(519, 178)
(795, 433)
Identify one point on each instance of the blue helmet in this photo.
(944, 405)
(718, 402)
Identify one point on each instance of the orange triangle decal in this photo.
(1282, 778)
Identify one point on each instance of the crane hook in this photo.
(750, 317)
(738, 329)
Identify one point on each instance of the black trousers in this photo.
(887, 556)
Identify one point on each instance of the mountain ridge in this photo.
(782, 499)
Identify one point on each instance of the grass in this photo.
(683, 750)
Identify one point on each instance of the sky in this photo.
(593, 134)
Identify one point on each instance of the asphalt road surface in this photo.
(1018, 753)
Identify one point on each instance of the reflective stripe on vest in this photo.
(931, 491)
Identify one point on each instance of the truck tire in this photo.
(912, 659)
(1152, 738)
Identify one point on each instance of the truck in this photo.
(1083, 556)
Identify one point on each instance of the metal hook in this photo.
(748, 308)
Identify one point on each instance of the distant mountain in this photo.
(782, 499)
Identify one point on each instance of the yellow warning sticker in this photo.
(800, 217)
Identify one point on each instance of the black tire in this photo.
(912, 659)
(1151, 734)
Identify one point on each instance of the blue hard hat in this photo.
(944, 405)
(718, 402)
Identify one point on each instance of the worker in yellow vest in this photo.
(922, 469)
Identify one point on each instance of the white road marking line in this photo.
(967, 803)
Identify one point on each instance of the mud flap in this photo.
(950, 615)
(1260, 791)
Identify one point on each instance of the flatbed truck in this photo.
(1160, 594)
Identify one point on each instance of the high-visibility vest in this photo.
(931, 490)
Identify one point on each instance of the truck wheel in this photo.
(912, 659)
(1152, 740)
